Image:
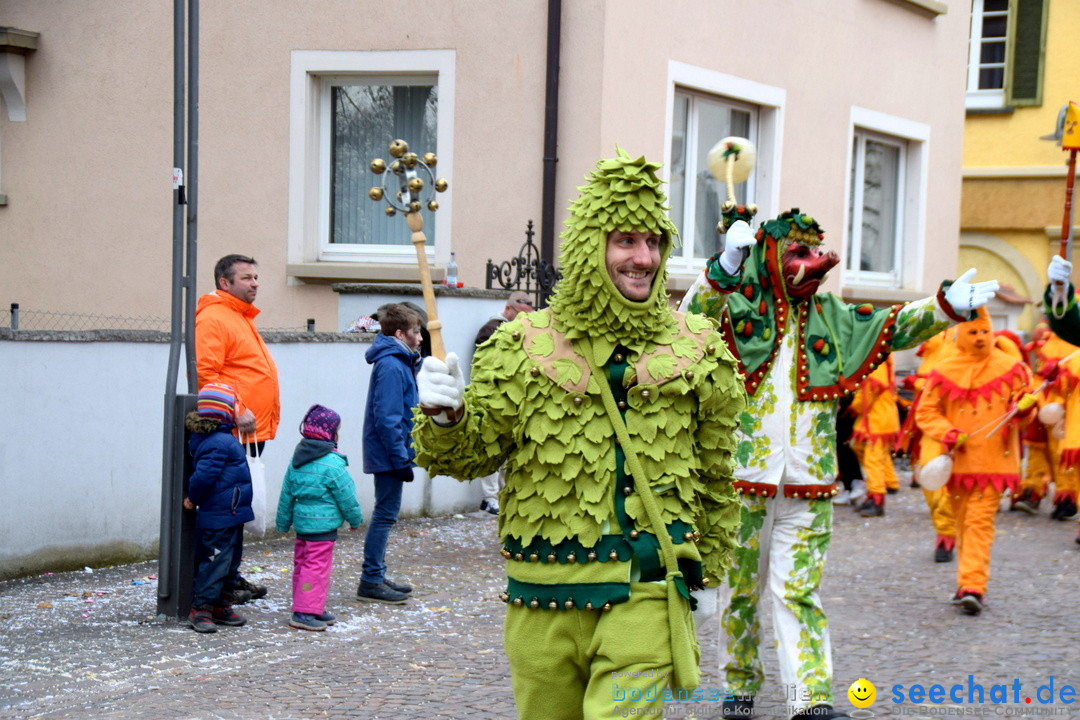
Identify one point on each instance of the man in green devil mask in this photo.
(594, 604)
(800, 351)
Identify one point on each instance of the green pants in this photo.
(591, 664)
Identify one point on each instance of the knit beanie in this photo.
(320, 423)
(216, 400)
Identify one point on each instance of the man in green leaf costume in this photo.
(799, 351)
(588, 629)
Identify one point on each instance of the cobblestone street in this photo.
(87, 645)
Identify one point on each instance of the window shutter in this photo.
(1027, 41)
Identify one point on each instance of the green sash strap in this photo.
(685, 653)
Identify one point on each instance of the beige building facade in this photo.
(856, 108)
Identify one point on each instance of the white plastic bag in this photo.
(257, 527)
(936, 473)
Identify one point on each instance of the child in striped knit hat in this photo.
(220, 491)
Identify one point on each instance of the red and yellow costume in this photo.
(965, 396)
(932, 352)
(1048, 447)
(877, 428)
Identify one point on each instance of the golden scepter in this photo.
(415, 177)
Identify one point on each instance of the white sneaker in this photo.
(858, 492)
(490, 506)
(841, 498)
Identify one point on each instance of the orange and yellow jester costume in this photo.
(877, 428)
(965, 398)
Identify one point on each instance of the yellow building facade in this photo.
(1023, 63)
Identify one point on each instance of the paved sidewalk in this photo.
(87, 645)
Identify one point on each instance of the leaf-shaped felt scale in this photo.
(648, 199)
(698, 323)
(661, 365)
(567, 371)
(684, 347)
(645, 431)
(542, 345)
(540, 320)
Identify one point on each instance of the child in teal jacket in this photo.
(317, 496)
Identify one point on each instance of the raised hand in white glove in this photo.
(737, 239)
(964, 296)
(440, 385)
(1059, 270)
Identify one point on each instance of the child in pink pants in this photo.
(317, 496)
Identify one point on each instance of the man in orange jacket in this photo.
(228, 349)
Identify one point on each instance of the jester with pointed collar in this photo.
(589, 596)
(800, 351)
(965, 400)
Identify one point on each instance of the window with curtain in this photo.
(875, 218)
(366, 114)
(695, 196)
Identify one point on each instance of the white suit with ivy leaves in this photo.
(799, 357)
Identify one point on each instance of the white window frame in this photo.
(768, 102)
(977, 99)
(312, 74)
(914, 140)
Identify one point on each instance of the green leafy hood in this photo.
(621, 194)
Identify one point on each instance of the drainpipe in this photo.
(551, 132)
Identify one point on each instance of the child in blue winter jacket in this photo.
(388, 452)
(317, 496)
(220, 490)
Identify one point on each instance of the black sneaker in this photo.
(739, 706)
(396, 586)
(257, 591)
(971, 603)
(201, 620)
(369, 592)
(489, 506)
(1028, 505)
(326, 618)
(1064, 510)
(943, 554)
(225, 615)
(237, 597)
(871, 509)
(818, 711)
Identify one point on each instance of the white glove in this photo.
(965, 296)
(441, 385)
(737, 239)
(1059, 270)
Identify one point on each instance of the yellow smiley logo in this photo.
(862, 693)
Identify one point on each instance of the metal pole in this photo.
(170, 513)
(193, 191)
(14, 316)
(551, 132)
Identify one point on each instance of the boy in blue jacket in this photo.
(220, 490)
(388, 452)
(317, 496)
